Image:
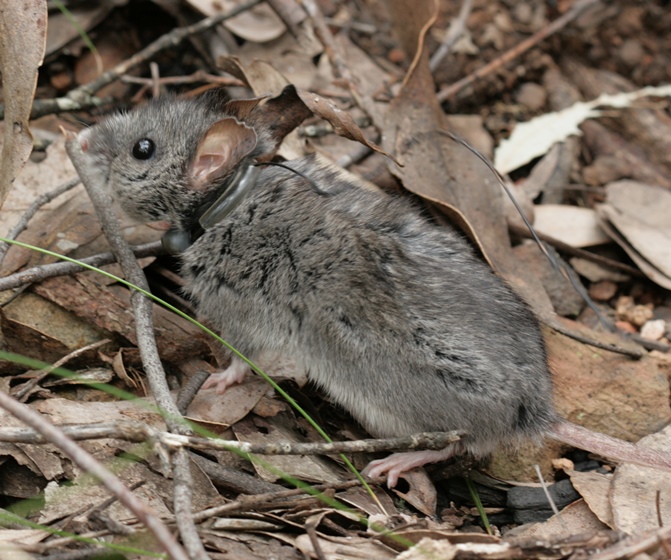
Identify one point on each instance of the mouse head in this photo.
(163, 159)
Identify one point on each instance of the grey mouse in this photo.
(394, 317)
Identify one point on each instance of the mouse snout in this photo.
(83, 139)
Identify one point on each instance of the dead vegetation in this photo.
(590, 167)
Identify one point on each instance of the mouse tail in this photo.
(610, 447)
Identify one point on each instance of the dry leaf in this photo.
(421, 493)
(305, 467)
(344, 548)
(37, 179)
(260, 24)
(641, 496)
(23, 34)
(208, 406)
(264, 79)
(595, 488)
(572, 225)
(636, 216)
(535, 138)
(87, 15)
(575, 519)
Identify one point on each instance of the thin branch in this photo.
(21, 392)
(198, 76)
(334, 53)
(89, 464)
(455, 31)
(138, 432)
(42, 272)
(182, 503)
(247, 502)
(83, 96)
(558, 24)
(171, 39)
(143, 311)
(32, 210)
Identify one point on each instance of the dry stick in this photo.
(335, 56)
(142, 309)
(42, 272)
(24, 390)
(82, 97)
(87, 463)
(578, 8)
(634, 545)
(182, 484)
(138, 432)
(246, 502)
(456, 30)
(198, 76)
(32, 210)
(234, 480)
(155, 77)
(576, 251)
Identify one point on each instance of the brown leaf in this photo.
(211, 407)
(264, 79)
(640, 495)
(441, 170)
(342, 122)
(280, 114)
(595, 488)
(260, 24)
(603, 391)
(421, 493)
(636, 216)
(23, 35)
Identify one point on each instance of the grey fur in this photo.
(394, 317)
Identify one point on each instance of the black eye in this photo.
(144, 149)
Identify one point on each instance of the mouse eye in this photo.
(144, 149)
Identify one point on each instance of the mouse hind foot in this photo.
(397, 463)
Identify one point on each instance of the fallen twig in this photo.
(138, 432)
(561, 22)
(198, 76)
(83, 96)
(142, 308)
(22, 392)
(247, 502)
(89, 464)
(42, 272)
(453, 34)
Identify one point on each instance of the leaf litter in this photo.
(617, 171)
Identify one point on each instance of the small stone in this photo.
(631, 52)
(531, 504)
(61, 80)
(636, 314)
(562, 464)
(532, 96)
(396, 56)
(625, 327)
(605, 169)
(594, 272)
(522, 12)
(602, 291)
(653, 330)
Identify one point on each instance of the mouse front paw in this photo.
(232, 375)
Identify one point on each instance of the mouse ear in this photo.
(224, 146)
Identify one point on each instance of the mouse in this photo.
(393, 316)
